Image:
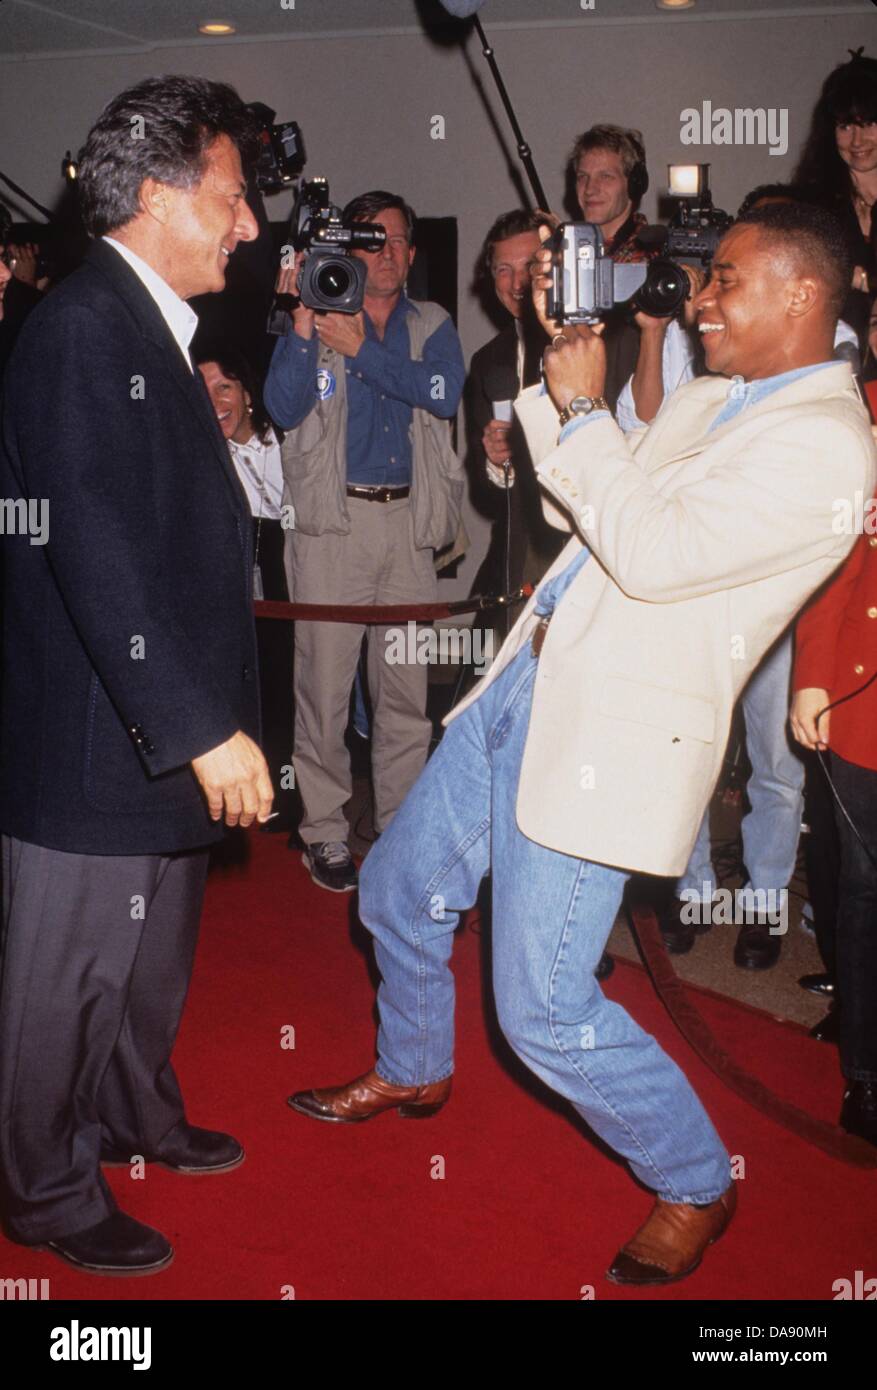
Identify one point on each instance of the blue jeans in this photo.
(776, 788)
(552, 914)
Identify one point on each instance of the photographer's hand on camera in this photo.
(288, 283)
(344, 333)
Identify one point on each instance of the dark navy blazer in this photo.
(129, 642)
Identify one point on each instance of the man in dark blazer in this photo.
(130, 693)
(522, 544)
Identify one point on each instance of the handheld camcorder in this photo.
(586, 283)
(331, 280)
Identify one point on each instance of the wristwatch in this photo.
(582, 405)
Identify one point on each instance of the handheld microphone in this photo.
(461, 9)
(501, 385)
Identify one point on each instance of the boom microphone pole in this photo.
(466, 9)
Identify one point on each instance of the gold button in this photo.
(859, 670)
(872, 612)
(873, 541)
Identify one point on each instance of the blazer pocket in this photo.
(657, 707)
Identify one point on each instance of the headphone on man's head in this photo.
(638, 178)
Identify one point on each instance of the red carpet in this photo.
(528, 1207)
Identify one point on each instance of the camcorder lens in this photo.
(664, 290)
(333, 280)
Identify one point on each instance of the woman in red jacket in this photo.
(836, 664)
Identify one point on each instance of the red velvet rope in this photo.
(386, 613)
(673, 995)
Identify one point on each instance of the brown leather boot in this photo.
(369, 1095)
(670, 1245)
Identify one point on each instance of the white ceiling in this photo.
(42, 27)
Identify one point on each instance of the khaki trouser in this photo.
(376, 563)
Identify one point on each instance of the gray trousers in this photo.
(376, 563)
(96, 957)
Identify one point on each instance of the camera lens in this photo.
(333, 280)
(663, 291)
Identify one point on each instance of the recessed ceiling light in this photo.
(675, 4)
(216, 28)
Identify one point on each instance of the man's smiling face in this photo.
(206, 223)
(742, 309)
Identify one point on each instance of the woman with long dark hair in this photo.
(839, 164)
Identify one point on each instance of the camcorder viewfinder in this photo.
(331, 280)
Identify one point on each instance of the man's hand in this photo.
(345, 333)
(540, 277)
(495, 442)
(806, 705)
(288, 283)
(24, 262)
(234, 777)
(575, 364)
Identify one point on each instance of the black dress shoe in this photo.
(858, 1113)
(757, 947)
(117, 1245)
(679, 931)
(817, 984)
(186, 1150)
(828, 1028)
(605, 966)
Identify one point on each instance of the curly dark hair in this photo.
(161, 128)
(849, 93)
(234, 365)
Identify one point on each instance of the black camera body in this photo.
(280, 156)
(331, 280)
(587, 283)
(696, 230)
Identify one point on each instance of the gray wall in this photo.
(365, 105)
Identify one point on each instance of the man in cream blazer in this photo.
(593, 745)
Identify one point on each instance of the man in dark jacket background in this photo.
(130, 693)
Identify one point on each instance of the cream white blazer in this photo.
(704, 547)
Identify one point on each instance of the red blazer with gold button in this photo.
(836, 649)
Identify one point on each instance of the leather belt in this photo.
(537, 641)
(377, 494)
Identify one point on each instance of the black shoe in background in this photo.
(818, 984)
(679, 933)
(757, 947)
(827, 1029)
(858, 1113)
(331, 866)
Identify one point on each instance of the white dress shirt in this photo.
(180, 319)
(258, 467)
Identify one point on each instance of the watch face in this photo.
(581, 405)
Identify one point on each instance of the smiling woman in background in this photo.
(840, 163)
(255, 450)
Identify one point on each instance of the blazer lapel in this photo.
(152, 325)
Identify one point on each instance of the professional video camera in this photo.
(281, 154)
(330, 279)
(696, 227)
(586, 283)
